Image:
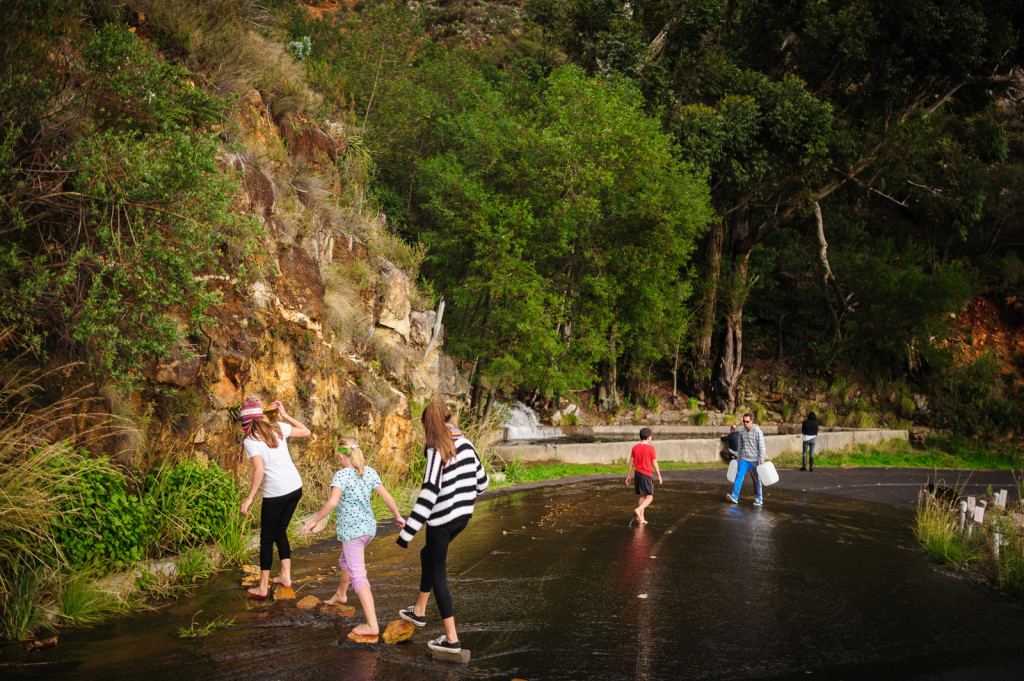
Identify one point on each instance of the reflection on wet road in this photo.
(561, 583)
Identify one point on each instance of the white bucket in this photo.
(731, 473)
(767, 473)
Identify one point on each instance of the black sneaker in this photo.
(409, 615)
(443, 645)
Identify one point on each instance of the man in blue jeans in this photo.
(750, 455)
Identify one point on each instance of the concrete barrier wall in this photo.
(660, 432)
(664, 432)
(696, 450)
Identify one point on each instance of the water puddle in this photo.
(559, 583)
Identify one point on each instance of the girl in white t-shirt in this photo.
(351, 490)
(266, 445)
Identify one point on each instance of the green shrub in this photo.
(974, 398)
(142, 210)
(301, 48)
(700, 418)
(191, 502)
(101, 521)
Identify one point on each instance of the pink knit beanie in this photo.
(250, 411)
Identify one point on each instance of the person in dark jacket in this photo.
(809, 428)
(732, 443)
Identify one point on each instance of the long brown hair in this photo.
(265, 431)
(435, 428)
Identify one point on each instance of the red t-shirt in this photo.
(643, 456)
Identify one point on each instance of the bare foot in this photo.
(639, 517)
(256, 593)
(280, 580)
(643, 522)
(338, 597)
(366, 630)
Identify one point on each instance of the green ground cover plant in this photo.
(195, 630)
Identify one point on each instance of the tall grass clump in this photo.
(235, 538)
(937, 529)
(81, 601)
(34, 495)
(1010, 564)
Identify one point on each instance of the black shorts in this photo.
(643, 484)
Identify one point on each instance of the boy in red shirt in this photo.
(642, 459)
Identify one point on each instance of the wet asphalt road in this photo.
(558, 582)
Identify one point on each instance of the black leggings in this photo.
(433, 556)
(274, 518)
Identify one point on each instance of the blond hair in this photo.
(435, 428)
(354, 453)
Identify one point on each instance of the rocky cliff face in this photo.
(330, 329)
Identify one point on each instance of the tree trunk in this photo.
(490, 403)
(608, 392)
(725, 383)
(709, 308)
(476, 401)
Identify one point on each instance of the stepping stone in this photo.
(282, 592)
(308, 603)
(250, 575)
(398, 631)
(360, 638)
(339, 610)
(461, 657)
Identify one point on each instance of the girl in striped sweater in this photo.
(453, 479)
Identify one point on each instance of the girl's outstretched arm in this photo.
(389, 501)
(298, 430)
(324, 511)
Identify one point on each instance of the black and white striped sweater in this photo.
(448, 492)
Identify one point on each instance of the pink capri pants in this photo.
(353, 561)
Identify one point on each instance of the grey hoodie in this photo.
(751, 444)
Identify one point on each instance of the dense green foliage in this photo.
(114, 212)
(890, 121)
(560, 232)
(558, 216)
(99, 520)
(191, 502)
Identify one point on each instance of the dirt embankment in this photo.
(997, 324)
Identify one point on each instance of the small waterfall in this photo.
(523, 424)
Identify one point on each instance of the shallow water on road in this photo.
(561, 583)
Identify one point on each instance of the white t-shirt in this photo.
(280, 476)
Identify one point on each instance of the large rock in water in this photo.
(339, 610)
(398, 631)
(308, 603)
